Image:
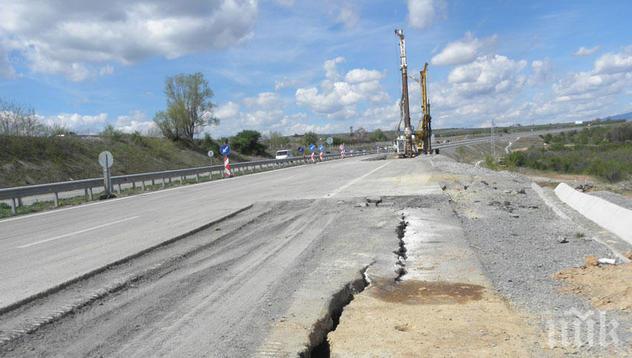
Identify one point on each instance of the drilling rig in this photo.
(404, 144)
(423, 135)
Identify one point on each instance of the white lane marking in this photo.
(337, 191)
(77, 232)
(162, 191)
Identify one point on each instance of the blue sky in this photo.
(292, 66)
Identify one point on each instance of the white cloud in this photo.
(83, 124)
(422, 13)
(541, 72)
(348, 16)
(583, 51)
(331, 72)
(363, 75)
(337, 98)
(136, 121)
(611, 75)
(72, 37)
(488, 75)
(106, 70)
(227, 110)
(462, 51)
(611, 63)
(263, 99)
(284, 83)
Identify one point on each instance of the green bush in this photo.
(247, 142)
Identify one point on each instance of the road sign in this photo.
(330, 140)
(106, 159)
(321, 148)
(301, 149)
(312, 147)
(210, 154)
(225, 150)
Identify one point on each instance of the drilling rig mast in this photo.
(408, 150)
(424, 135)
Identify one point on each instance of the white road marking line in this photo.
(337, 191)
(77, 232)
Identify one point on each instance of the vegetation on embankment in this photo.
(34, 160)
(604, 152)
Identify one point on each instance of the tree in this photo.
(189, 107)
(310, 138)
(19, 120)
(278, 141)
(377, 136)
(247, 142)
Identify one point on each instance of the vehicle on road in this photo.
(283, 154)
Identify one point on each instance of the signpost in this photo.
(312, 147)
(210, 155)
(106, 160)
(225, 151)
(330, 140)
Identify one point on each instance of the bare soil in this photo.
(608, 287)
(432, 319)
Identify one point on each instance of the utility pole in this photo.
(425, 107)
(405, 109)
(493, 139)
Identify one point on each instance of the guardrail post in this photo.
(56, 199)
(13, 208)
(133, 185)
(118, 188)
(85, 191)
(91, 195)
(197, 177)
(143, 184)
(153, 182)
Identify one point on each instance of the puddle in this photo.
(415, 292)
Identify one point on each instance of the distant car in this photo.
(283, 154)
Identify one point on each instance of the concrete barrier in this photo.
(611, 217)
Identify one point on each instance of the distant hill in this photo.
(627, 116)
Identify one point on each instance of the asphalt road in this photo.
(41, 251)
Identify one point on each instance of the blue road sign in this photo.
(301, 149)
(321, 148)
(225, 150)
(312, 147)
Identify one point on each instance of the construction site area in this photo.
(464, 244)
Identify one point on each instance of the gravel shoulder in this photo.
(522, 244)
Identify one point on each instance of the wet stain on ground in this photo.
(414, 292)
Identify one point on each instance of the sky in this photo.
(292, 66)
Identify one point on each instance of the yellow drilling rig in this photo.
(423, 135)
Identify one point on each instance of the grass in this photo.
(604, 152)
(35, 160)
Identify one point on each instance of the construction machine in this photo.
(423, 135)
(404, 143)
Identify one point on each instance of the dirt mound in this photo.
(608, 287)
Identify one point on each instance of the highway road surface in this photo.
(43, 250)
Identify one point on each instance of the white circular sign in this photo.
(106, 159)
(210, 154)
(330, 140)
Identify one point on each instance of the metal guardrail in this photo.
(16, 194)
